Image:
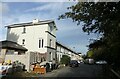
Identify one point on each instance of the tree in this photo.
(65, 59)
(97, 17)
(90, 54)
(84, 56)
(102, 18)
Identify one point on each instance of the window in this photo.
(24, 30)
(23, 41)
(51, 28)
(0, 50)
(10, 52)
(41, 43)
(50, 55)
(50, 43)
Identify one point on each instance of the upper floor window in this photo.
(51, 28)
(41, 43)
(24, 30)
(50, 44)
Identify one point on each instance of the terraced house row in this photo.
(34, 42)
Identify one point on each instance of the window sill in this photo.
(23, 32)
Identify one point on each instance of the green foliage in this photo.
(90, 54)
(65, 60)
(84, 56)
(97, 17)
(102, 18)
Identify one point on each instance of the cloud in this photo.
(68, 32)
(37, 1)
(50, 9)
(79, 47)
(41, 8)
(3, 7)
(0, 20)
(42, 12)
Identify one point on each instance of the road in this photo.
(83, 71)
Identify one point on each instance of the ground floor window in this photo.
(10, 52)
(41, 43)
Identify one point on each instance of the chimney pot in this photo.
(35, 21)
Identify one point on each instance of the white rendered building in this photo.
(36, 36)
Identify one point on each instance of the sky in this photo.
(68, 32)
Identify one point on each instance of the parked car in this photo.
(78, 61)
(4, 69)
(74, 63)
(101, 62)
(89, 61)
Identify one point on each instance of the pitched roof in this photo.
(30, 23)
(58, 43)
(12, 45)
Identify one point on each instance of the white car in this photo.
(4, 69)
(101, 62)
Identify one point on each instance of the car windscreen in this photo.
(73, 61)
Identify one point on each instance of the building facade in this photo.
(65, 50)
(39, 38)
(8, 48)
(36, 36)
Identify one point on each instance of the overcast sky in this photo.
(68, 32)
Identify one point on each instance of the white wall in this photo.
(63, 51)
(53, 44)
(51, 54)
(32, 36)
(59, 53)
(21, 58)
(27, 59)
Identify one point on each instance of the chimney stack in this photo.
(35, 21)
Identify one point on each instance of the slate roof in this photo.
(58, 43)
(11, 45)
(30, 24)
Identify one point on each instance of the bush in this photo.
(65, 60)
